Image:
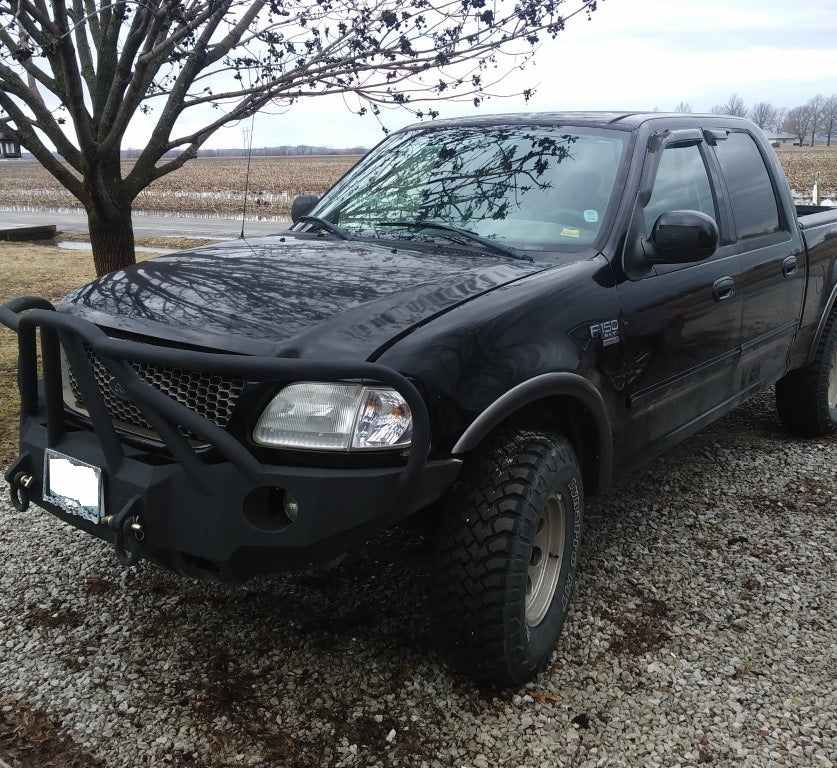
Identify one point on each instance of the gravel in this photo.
(704, 632)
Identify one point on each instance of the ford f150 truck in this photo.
(488, 318)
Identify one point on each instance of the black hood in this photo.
(290, 296)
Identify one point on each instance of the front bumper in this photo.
(216, 512)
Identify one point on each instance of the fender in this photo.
(538, 388)
(829, 308)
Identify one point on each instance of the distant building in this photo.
(778, 139)
(9, 146)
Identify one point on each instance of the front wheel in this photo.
(506, 556)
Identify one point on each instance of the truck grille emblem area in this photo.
(211, 396)
(117, 390)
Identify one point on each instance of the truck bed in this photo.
(815, 215)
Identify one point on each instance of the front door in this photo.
(680, 324)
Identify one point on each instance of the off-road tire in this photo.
(803, 400)
(485, 548)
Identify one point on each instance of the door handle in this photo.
(790, 265)
(723, 288)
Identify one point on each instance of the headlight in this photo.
(335, 417)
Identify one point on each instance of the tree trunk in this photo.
(112, 239)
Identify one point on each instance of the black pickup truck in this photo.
(484, 321)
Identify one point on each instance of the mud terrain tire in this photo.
(506, 556)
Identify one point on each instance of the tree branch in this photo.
(26, 133)
(12, 85)
(83, 47)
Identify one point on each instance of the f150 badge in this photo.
(607, 331)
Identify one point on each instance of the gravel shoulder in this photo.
(704, 632)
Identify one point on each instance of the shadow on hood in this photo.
(290, 296)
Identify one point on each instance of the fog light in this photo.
(291, 508)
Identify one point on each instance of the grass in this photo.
(27, 268)
(46, 270)
(148, 241)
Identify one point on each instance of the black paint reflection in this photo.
(280, 289)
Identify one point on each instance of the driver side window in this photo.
(682, 184)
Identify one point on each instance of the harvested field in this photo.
(206, 186)
(802, 164)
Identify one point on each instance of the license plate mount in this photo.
(74, 485)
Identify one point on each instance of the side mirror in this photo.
(302, 206)
(682, 237)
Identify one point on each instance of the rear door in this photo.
(772, 260)
(681, 323)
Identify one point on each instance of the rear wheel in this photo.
(807, 398)
(506, 556)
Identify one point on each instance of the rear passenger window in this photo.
(682, 184)
(751, 192)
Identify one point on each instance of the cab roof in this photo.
(625, 121)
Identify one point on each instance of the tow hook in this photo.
(19, 490)
(127, 524)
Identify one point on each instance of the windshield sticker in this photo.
(570, 232)
(591, 215)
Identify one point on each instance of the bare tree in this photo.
(763, 115)
(829, 118)
(815, 115)
(735, 106)
(75, 73)
(684, 107)
(779, 118)
(797, 121)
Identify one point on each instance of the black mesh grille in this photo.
(213, 397)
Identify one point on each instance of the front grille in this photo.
(213, 397)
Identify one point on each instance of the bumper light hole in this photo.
(270, 509)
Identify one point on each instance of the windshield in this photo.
(527, 187)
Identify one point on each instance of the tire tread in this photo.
(484, 530)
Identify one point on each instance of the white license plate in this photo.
(73, 485)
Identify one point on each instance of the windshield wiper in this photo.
(465, 234)
(320, 223)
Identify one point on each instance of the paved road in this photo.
(175, 226)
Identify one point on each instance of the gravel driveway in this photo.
(704, 631)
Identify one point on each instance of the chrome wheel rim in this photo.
(545, 560)
(832, 382)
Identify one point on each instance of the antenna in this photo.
(247, 133)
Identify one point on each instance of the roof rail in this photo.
(623, 116)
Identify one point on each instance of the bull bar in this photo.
(236, 474)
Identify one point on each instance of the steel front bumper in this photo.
(216, 511)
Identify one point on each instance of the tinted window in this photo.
(682, 184)
(753, 201)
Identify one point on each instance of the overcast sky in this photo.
(633, 54)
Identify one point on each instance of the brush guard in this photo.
(168, 417)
